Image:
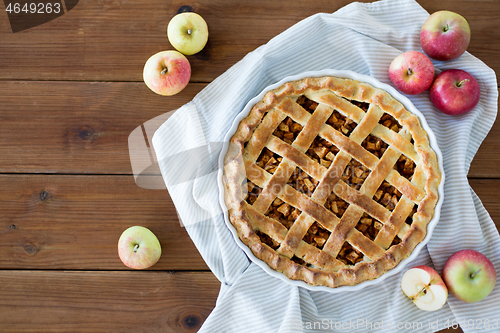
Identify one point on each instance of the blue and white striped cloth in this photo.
(364, 38)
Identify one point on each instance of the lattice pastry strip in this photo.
(345, 229)
(328, 183)
(278, 232)
(299, 229)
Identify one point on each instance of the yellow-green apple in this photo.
(188, 33)
(445, 35)
(139, 248)
(423, 285)
(454, 92)
(167, 72)
(412, 72)
(469, 275)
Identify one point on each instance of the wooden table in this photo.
(71, 92)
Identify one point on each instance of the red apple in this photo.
(445, 35)
(423, 285)
(139, 248)
(412, 72)
(454, 92)
(167, 72)
(469, 275)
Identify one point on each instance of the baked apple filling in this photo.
(349, 255)
(369, 226)
(268, 160)
(302, 182)
(409, 219)
(299, 261)
(322, 151)
(283, 212)
(288, 130)
(341, 123)
(253, 192)
(316, 235)
(374, 145)
(388, 121)
(387, 195)
(362, 105)
(336, 205)
(405, 166)
(307, 104)
(267, 240)
(355, 174)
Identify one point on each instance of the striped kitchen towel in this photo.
(364, 38)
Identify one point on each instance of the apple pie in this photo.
(330, 181)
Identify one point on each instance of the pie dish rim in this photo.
(361, 78)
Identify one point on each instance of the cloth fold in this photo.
(364, 38)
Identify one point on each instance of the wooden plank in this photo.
(76, 127)
(486, 163)
(103, 302)
(92, 302)
(110, 41)
(82, 127)
(95, 302)
(487, 191)
(74, 222)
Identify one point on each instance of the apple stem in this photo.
(474, 274)
(189, 32)
(136, 247)
(164, 71)
(410, 72)
(446, 27)
(459, 84)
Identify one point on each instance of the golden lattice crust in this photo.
(330, 181)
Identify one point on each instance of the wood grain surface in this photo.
(83, 127)
(104, 302)
(74, 222)
(76, 127)
(71, 92)
(110, 40)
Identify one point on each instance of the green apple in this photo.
(188, 33)
(469, 275)
(167, 73)
(139, 248)
(423, 285)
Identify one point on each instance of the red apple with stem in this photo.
(167, 73)
(412, 72)
(454, 92)
(445, 35)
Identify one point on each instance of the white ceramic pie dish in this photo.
(362, 78)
